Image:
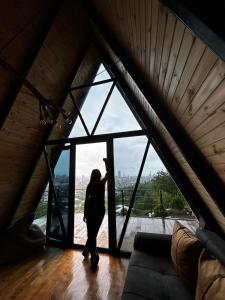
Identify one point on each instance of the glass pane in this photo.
(78, 129)
(102, 74)
(128, 155)
(88, 157)
(61, 183)
(158, 203)
(91, 108)
(40, 217)
(117, 116)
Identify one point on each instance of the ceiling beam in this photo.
(183, 182)
(88, 85)
(192, 154)
(25, 68)
(96, 138)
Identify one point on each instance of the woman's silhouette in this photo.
(94, 210)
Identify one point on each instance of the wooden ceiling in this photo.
(187, 77)
(46, 42)
(57, 57)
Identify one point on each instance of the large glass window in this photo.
(40, 217)
(158, 203)
(128, 154)
(88, 157)
(60, 197)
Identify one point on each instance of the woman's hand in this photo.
(106, 163)
(84, 219)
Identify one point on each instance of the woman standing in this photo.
(94, 210)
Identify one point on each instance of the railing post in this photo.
(161, 204)
(122, 202)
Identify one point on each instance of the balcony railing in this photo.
(145, 204)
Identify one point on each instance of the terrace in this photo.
(144, 224)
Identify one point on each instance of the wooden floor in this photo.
(63, 275)
(154, 225)
(135, 224)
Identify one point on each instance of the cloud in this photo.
(117, 117)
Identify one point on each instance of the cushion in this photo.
(211, 278)
(213, 243)
(142, 283)
(185, 253)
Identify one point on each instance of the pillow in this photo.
(211, 278)
(185, 252)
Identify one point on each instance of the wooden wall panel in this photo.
(185, 73)
(217, 214)
(193, 60)
(50, 71)
(203, 68)
(40, 174)
(20, 25)
(173, 54)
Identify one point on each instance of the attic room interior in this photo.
(134, 89)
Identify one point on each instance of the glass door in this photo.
(58, 204)
(87, 158)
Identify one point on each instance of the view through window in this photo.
(157, 203)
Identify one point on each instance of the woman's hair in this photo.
(95, 177)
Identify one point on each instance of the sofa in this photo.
(151, 272)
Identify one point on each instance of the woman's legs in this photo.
(93, 224)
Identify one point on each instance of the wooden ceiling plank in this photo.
(177, 40)
(129, 18)
(118, 15)
(199, 27)
(211, 109)
(148, 36)
(184, 52)
(218, 158)
(170, 29)
(162, 20)
(211, 137)
(154, 27)
(215, 148)
(215, 120)
(133, 28)
(29, 61)
(206, 63)
(213, 80)
(142, 9)
(137, 22)
(194, 58)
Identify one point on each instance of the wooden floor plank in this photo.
(63, 275)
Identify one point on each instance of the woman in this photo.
(94, 210)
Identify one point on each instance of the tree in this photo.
(148, 197)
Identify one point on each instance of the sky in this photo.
(117, 117)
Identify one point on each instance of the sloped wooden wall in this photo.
(186, 74)
(60, 53)
(39, 177)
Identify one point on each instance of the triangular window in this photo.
(117, 116)
(104, 109)
(91, 109)
(102, 74)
